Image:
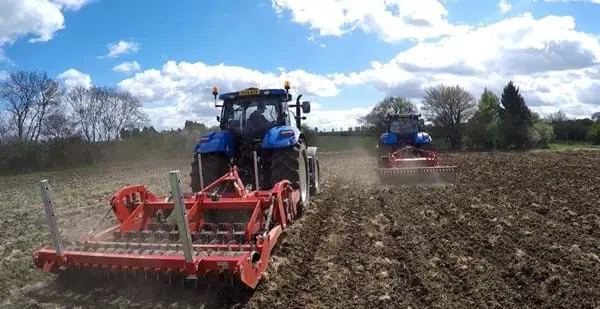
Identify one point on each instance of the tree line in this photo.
(459, 121)
(44, 125)
(39, 108)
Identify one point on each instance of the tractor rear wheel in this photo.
(214, 166)
(292, 164)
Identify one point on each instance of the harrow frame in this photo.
(397, 165)
(241, 249)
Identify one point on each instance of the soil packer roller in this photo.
(406, 156)
(250, 181)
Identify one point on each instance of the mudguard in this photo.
(422, 138)
(314, 170)
(219, 141)
(280, 137)
(389, 138)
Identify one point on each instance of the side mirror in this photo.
(218, 119)
(306, 107)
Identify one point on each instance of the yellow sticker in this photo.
(249, 92)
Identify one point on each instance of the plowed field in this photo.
(520, 230)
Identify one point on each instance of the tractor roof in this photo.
(252, 92)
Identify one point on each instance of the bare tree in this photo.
(121, 110)
(4, 127)
(85, 111)
(49, 99)
(557, 117)
(18, 92)
(102, 112)
(29, 96)
(449, 107)
(58, 125)
(376, 118)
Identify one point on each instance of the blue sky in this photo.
(343, 63)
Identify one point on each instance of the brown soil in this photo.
(520, 230)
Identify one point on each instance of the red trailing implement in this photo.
(224, 232)
(413, 165)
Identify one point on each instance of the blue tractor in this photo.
(406, 153)
(261, 135)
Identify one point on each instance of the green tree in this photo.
(544, 133)
(594, 134)
(481, 130)
(389, 105)
(516, 118)
(449, 107)
(489, 106)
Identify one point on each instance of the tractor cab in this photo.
(250, 113)
(404, 129)
(405, 125)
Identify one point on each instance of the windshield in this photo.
(404, 126)
(251, 115)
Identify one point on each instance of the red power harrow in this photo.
(221, 234)
(412, 165)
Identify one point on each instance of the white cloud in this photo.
(391, 20)
(504, 6)
(573, 1)
(3, 75)
(72, 4)
(121, 48)
(127, 66)
(336, 118)
(181, 91)
(73, 78)
(40, 18)
(551, 62)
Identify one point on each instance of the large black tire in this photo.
(214, 166)
(292, 164)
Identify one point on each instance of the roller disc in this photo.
(426, 176)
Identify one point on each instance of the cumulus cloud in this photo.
(121, 48)
(391, 20)
(504, 6)
(553, 64)
(72, 4)
(180, 91)
(127, 66)
(73, 78)
(40, 19)
(548, 58)
(336, 119)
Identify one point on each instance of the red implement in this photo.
(412, 165)
(225, 229)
